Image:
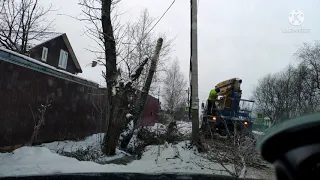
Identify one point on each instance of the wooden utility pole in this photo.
(194, 74)
(188, 104)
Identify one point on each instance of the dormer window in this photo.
(44, 54)
(63, 59)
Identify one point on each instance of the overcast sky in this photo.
(236, 38)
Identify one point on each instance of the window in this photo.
(63, 59)
(44, 54)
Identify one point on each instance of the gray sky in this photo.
(237, 38)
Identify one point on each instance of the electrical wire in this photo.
(40, 32)
(149, 30)
(198, 5)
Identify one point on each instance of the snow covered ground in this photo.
(164, 158)
(257, 132)
(92, 143)
(157, 158)
(184, 127)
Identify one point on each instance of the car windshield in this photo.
(150, 86)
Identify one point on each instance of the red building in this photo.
(150, 112)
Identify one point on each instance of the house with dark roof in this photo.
(58, 53)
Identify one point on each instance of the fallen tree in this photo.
(137, 110)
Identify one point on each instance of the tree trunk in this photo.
(117, 121)
(144, 94)
(109, 141)
(146, 87)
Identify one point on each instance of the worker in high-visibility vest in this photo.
(211, 100)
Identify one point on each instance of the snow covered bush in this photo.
(158, 134)
(90, 153)
(235, 153)
(39, 117)
(88, 149)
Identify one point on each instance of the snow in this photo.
(44, 64)
(156, 159)
(157, 128)
(128, 115)
(134, 141)
(45, 39)
(69, 146)
(172, 158)
(92, 143)
(128, 130)
(184, 127)
(258, 132)
(130, 125)
(40, 160)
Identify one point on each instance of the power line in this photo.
(149, 30)
(198, 5)
(39, 32)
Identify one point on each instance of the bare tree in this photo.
(136, 41)
(174, 88)
(294, 91)
(235, 153)
(309, 55)
(274, 95)
(307, 95)
(22, 22)
(102, 28)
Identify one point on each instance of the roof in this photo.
(67, 42)
(149, 96)
(22, 60)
